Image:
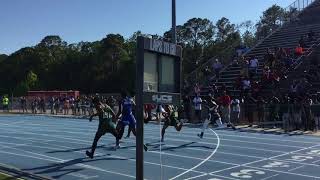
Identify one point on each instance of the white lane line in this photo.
(86, 142)
(210, 143)
(205, 160)
(296, 168)
(149, 137)
(233, 140)
(270, 158)
(251, 137)
(270, 177)
(108, 156)
(26, 139)
(62, 161)
(168, 145)
(222, 133)
(225, 139)
(195, 177)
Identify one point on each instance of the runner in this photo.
(170, 120)
(106, 124)
(213, 116)
(127, 117)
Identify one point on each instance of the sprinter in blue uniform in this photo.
(127, 118)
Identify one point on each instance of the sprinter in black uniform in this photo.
(170, 120)
(106, 125)
(213, 116)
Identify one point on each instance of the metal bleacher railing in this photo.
(291, 14)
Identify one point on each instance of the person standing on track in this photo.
(106, 125)
(213, 116)
(170, 120)
(225, 102)
(127, 117)
(197, 101)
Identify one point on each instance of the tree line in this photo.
(108, 65)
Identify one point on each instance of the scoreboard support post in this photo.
(158, 81)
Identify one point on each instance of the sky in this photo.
(25, 22)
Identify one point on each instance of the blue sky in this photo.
(26, 22)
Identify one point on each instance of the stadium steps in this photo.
(287, 37)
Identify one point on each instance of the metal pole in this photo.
(139, 108)
(174, 31)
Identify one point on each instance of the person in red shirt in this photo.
(225, 102)
(299, 50)
(147, 111)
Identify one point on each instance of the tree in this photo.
(225, 29)
(3, 57)
(271, 19)
(198, 31)
(52, 40)
(248, 33)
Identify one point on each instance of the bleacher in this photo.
(285, 37)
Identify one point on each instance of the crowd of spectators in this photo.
(81, 105)
(296, 108)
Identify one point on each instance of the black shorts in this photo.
(171, 122)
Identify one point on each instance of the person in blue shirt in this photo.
(126, 105)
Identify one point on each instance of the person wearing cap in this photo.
(106, 125)
(213, 116)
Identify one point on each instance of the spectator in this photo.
(235, 111)
(255, 89)
(24, 105)
(274, 110)
(34, 106)
(253, 66)
(197, 101)
(302, 42)
(246, 85)
(298, 51)
(217, 67)
(222, 89)
(206, 71)
(261, 109)
(249, 107)
(269, 58)
(244, 67)
(197, 89)
(57, 105)
(238, 83)
(5, 103)
(78, 106)
(293, 89)
(311, 35)
(286, 109)
(225, 102)
(42, 105)
(51, 104)
(66, 106)
(307, 114)
(148, 112)
(297, 112)
(186, 106)
(316, 112)
(275, 80)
